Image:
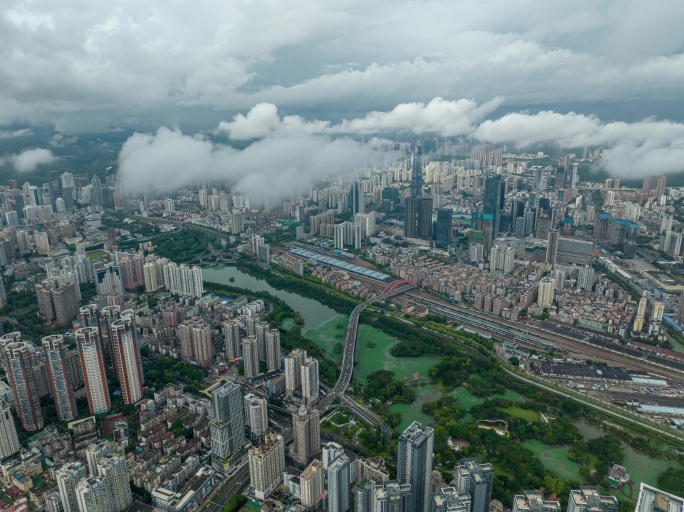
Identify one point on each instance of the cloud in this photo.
(30, 159)
(144, 64)
(268, 170)
(439, 116)
(24, 132)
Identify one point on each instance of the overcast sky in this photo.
(83, 65)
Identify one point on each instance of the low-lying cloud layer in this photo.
(29, 160)
(269, 170)
(290, 152)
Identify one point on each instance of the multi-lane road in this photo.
(230, 486)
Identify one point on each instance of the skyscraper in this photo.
(493, 203)
(266, 466)
(293, 371)
(256, 414)
(96, 198)
(545, 292)
(307, 434)
(9, 442)
(552, 247)
(394, 497)
(589, 499)
(475, 479)
(444, 220)
(60, 380)
(228, 427)
(416, 174)
(310, 383)
(126, 357)
(19, 361)
(339, 484)
(312, 484)
(273, 350)
(655, 500)
(250, 359)
(94, 374)
(231, 334)
(357, 199)
(414, 464)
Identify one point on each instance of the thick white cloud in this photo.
(29, 160)
(268, 170)
(160, 62)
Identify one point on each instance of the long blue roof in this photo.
(349, 267)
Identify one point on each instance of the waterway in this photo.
(313, 312)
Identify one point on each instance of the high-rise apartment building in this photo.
(312, 484)
(256, 414)
(250, 357)
(310, 383)
(533, 501)
(307, 434)
(475, 479)
(9, 441)
(57, 300)
(363, 495)
(414, 464)
(228, 427)
(266, 466)
(19, 361)
(293, 371)
(589, 499)
(655, 500)
(231, 335)
(339, 484)
(393, 497)
(126, 357)
(60, 379)
(93, 365)
(545, 292)
(68, 477)
(195, 342)
(273, 350)
(114, 470)
(260, 330)
(448, 499)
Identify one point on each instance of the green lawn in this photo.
(510, 395)
(555, 458)
(464, 398)
(413, 412)
(378, 357)
(642, 468)
(523, 414)
(330, 334)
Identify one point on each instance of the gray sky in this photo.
(83, 65)
(307, 75)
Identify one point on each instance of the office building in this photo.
(448, 499)
(307, 434)
(416, 174)
(443, 235)
(256, 414)
(9, 442)
(60, 380)
(339, 484)
(266, 466)
(250, 357)
(357, 199)
(545, 292)
(414, 464)
(96, 196)
(533, 501)
(228, 427)
(655, 500)
(475, 479)
(312, 485)
(273, 350)
(293, 371)
(93, 365)
(310, 383)
(19, 359)
(492, 204)
(68, 477)
(589, 499)
(231, 335)
(394, 497)
(552, 247)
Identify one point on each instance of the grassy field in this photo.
(330, 334)
(377, 356)
(464, 398)
(555, 458)
(510, 395)
(523, 414)
(413, 412)
(642, 468)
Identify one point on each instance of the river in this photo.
(313, 312)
